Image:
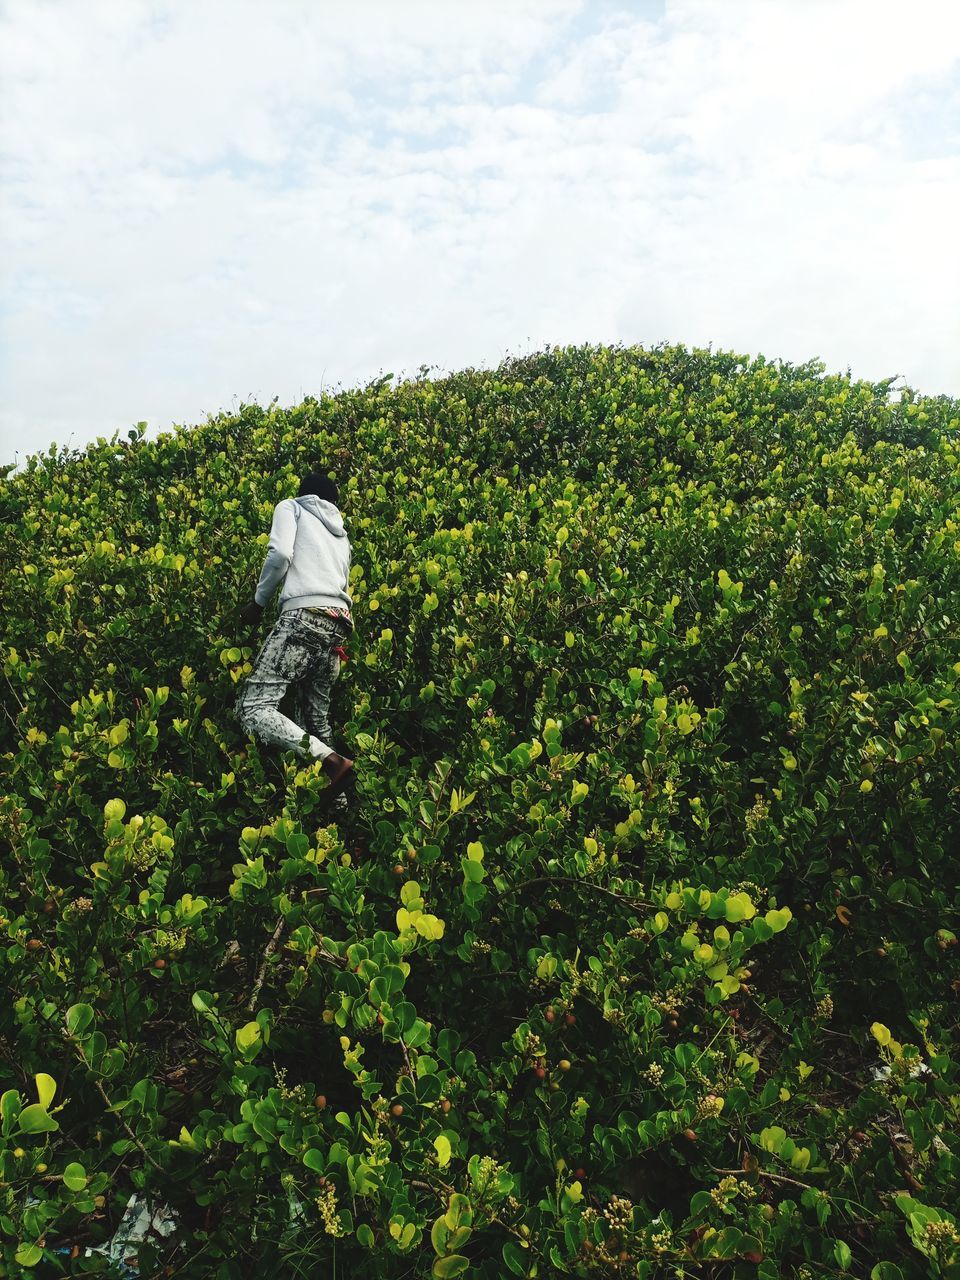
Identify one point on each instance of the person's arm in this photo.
(283, 532)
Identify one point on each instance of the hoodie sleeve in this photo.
(283, 533)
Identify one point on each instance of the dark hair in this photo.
(321, 485)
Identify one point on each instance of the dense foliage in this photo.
(636, 954)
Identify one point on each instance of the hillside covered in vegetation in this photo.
(636, 955)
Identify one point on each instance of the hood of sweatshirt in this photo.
(325, 511)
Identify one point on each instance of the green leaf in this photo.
(34, 1119)
(515, 1258)
(410, 893)
(459, 1238)
(442, 1145)
(459, 1212)
(10, 1104)
(473, 871)
(365, 1235)
(248, 1036)
(46, 1088)
(75, 1176)
(298, 844)
(79, 1017)
(778, 920)
(28, 1255)
(886, 1271)
(739, 907)
(379, 990)
(439, 1235)
(773, 1138)
(454, 1264)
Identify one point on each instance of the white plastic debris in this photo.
(140, 1222)
(882, 1070)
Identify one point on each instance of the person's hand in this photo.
(251, 613)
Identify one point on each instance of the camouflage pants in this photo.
(299, 654)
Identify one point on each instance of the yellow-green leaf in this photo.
(46, 1088)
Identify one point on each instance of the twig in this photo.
(110, 1107)
(268, 951)
(765, 1173)
(580, 884)
(902, 1162)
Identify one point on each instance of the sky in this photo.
(211, 202)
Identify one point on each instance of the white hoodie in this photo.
(310, 552)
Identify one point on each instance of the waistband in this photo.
(338, 615)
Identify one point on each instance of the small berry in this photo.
(570, 1019)
(550, 1015)
(398, 869)
(580, 1173)
(690, 1135)
(445, 1105)
(397, 1109)
(320, 1101)
(564, 1064)
(539, 1072)
(159, 963)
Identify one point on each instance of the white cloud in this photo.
(230, 199)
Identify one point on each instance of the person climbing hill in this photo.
(309, 554)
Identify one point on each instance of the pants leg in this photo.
(313, 696)
(295, 652)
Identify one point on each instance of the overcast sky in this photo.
(211, 201)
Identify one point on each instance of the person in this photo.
(308, 557)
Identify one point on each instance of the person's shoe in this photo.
(337, 769)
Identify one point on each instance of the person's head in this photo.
(321, 485)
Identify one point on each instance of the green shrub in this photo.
(637, 953)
